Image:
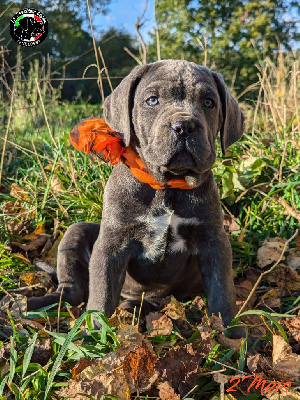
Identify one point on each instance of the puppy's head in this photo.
(170, 112)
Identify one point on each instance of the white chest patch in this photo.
(157, 238)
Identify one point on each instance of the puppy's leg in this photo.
(73, 257)
(216, 269)
(108, 265)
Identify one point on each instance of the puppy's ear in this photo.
(117, 107)
(233, 119)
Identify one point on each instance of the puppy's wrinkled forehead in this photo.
(178, 78)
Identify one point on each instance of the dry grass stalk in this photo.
(6, 133)
(99, 80)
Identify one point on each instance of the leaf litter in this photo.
(169, 353)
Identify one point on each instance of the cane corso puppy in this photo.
(158, 241)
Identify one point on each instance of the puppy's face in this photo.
(170, 112)
(176, 117)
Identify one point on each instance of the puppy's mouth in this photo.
(182, 164)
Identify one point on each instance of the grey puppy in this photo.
(160, 242)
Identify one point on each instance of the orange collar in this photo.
(93, 135)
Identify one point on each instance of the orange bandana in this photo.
(93, 135)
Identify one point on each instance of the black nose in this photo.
(183, 127)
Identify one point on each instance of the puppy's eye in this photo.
(152, 101)
(208, 103)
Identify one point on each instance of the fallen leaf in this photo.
(243, 289)
(180, 368)
(140, 364)
(43, 279)
(298, 242)
(159, 324)
(166, 392)
(113, 383)
(120, 318)
(82, 364)
(14, 303)
(4, 358)
(34, 244)
(286, 364)
(283, 394)
(56, 185)
(40, 229)
(293, 325)
(118, 373)
(272, 298)
(129, 335)
(270, 251)
(255, 325)
(43, 351)
(174, 310)
(293, 259)
(216, 323)
(228, 342)
(285, 278)
(258, 364)
(230, 224)
(51, 257)
(17, 192)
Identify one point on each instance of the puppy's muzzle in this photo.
(181, 163)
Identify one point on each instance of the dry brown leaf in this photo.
(114, 383)
(259, 365)
(14, 303)
(293, 259)
(55, 184)
(243, 289)
(272, 298)
(140, 364)
(216, 323)
(180, 368)
(285, 278)
(43, 279)
(174, 310)
(40, 229)
(15, 227)
(129, 335)
(34, 244)
(166, 392)
(283, 394)
(51, 256)
(82, 364)
(4, 358)
(293, 325)
(230, 225)
(228, 342)
(119, 373)
(286, 364)
(159, 324)
(120, 318)
(298, 242)
(255, 324)
(270, 251)
(17, 192)
(42, 351)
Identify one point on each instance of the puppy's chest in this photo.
(164, 232)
